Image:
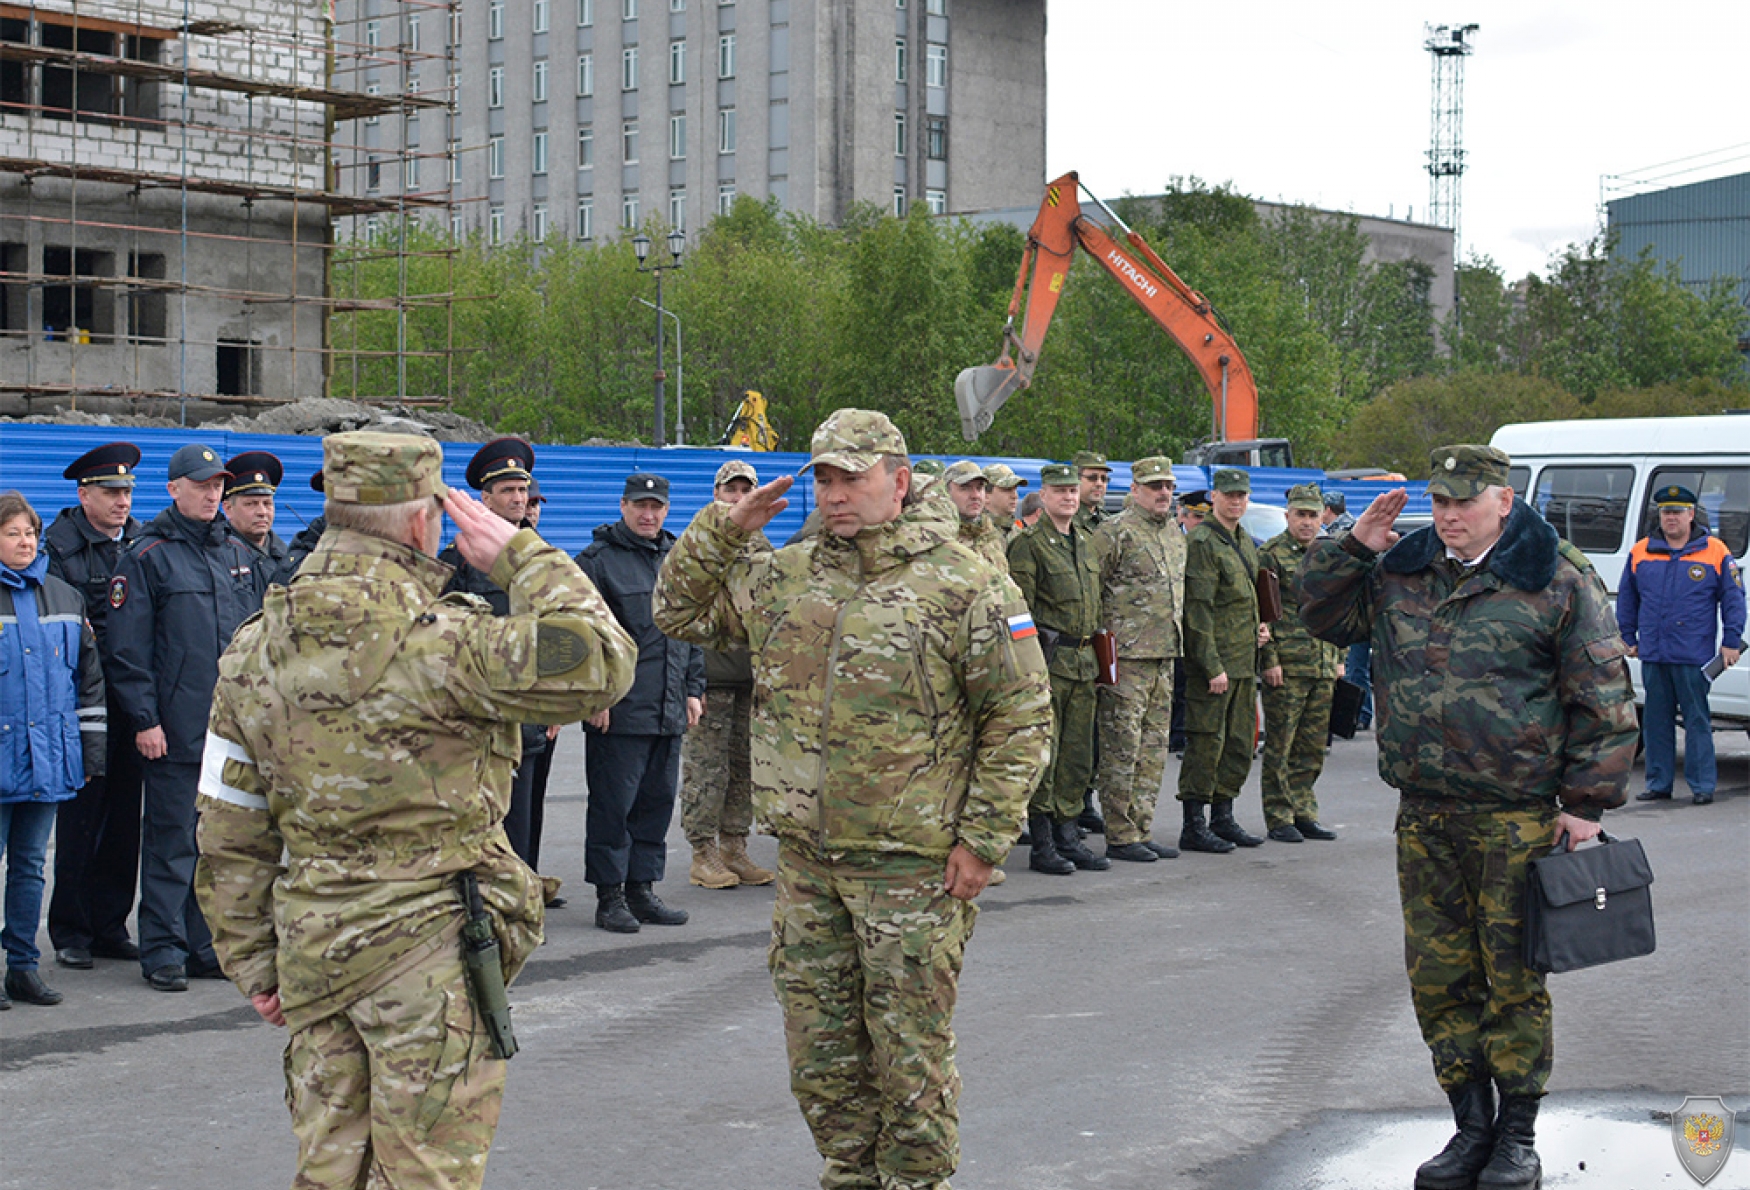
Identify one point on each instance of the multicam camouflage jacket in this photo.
(1501, 687)
(900, 701)
(365, 728)
(1142, 582)
(1221, 601)
(987, 541)
(1297, 651)
(1059, 576)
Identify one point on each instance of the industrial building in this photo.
(1701, 229)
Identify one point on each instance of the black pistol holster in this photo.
(485, 970)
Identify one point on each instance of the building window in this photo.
(726, 56)
(935, 65)
(936, 138)
(495, 28)
(538, 223)
(413, 31)
(373, 89)
(84, 92)
(456, 27)
(539, 19)
(538, 153)
(455, 228)
(373, 174)
(586, 147)
(455, 161)
(629, 211)
(586, 218)
(629, 10)
(629, 68)
(677, 137)
(411, 175)
(899, 59)
(585, 18)
(585, 75)
(899, 201)
(147, 308)
(677, 5)
(629, 142)
(677, 61)
(899, 134)
(495, 86)
(538, 83)
(495, 225)
(677, 208)
(495, 157)
(938, 200)
(725, 198)
(936, 8)
(373, 34)
(726, 130)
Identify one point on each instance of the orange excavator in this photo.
(1181, 311)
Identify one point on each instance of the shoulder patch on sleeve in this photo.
(118, 590)
(558, 649)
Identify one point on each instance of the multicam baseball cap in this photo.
(1091, 458)
(1463, 471)
(930, 467)
(1306, 497)
(1229, 479)
(1001, 475)
(854, 440)
(371, 467)
(1674, 496)
(1152, 470)
(1059, 475)
(965, 471)
(735, 469)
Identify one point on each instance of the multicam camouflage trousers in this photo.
(1136, 717)
(1297, 721)
(400, 1089)
(716, 782)
(1461, 877)
(1220, 732)
(1059, 792)
(865, 958)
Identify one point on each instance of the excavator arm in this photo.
(1181, 311)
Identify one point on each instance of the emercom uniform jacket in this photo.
(177, 596)
(1670, 601)
(1297, 651)
(1221, 603)
(900, 700)
(364, 727)
(1142, 582)
(1059, 577)
(52, 713)
(623, 567)
(84, 559)
(1500, 688)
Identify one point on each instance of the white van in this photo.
(1591, 479)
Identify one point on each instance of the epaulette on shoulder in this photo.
(1572, 553)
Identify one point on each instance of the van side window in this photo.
(1724, 493)
(1588, 505)
(1519, 479)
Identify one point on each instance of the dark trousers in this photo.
(97, 852)
(528, 801)
(172, 929)
(543, 766)
(632, 784)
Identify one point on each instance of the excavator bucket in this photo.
(980, 392)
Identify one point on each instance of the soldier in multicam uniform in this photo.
(1142, 593)
(717, 785)
(358, 762)
(1299, 672)
(1004, 498)
(969, 492)
(900, 721)
(1506, 720)
(1054, 563)
(1222, 639)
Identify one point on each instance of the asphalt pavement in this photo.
(1200, 1023)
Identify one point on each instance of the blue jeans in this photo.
(1669, 687)
(1356, 669)
(24, 841)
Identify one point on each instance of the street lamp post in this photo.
(677, 242)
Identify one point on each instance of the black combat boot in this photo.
(1456, 1166)
(648, 908)
(1136, 853)
(1044, 857)
(1515, 1165)
(1161, 849)
(1089, 820)
(1309, 828)
(1223, 825)
(611, 912)
(1070, 846)
(1196, 837)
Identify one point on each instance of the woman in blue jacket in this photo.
(52, 729)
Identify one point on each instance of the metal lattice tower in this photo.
(1450, 46)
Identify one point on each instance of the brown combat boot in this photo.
(734, 848)
(708, 870)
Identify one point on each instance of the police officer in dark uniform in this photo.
(177, 596)
(255, 474)
(97, 834)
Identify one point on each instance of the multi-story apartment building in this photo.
(578, 118)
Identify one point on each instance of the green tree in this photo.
(1400, 427)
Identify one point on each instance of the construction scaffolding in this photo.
(189, 201)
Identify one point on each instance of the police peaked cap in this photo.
(502, 458)
(109, 466)
(253, 471)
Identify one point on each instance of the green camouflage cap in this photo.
(1059, 475)
(371, 467)
(735, 469)
(1001, 475)
(1229, 479)
(854, 440)
(1091, 458)
(930, 467)
(1151, 469)
(965, 471)
(1307, 497)
(1461, 472)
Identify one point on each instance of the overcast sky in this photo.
(1329, 103)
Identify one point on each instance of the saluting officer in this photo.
(255, 474)
(97, 834)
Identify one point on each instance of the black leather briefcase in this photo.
(1587, 907)
(1346, 698)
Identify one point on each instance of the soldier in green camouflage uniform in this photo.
(358, 759)
(1005, 497)
(1142, 592)
(1505, 718)
(1222, 638)
(901, 718)
(1093, 476)
(1054, 563)
(1299, 673)
(969, 493)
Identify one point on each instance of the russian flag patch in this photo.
(1021, 627)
